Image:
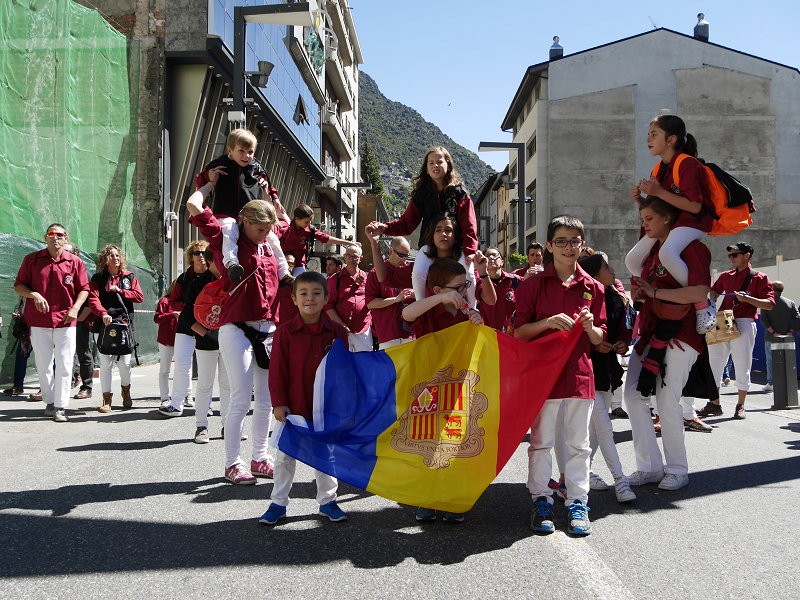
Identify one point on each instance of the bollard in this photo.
(784, 373)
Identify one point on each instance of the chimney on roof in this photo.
(556, 50)
(701, 29)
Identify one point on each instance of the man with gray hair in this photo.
(780, 321)
(347, 303)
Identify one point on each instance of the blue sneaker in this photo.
(273, 514)
(579, 519)
(542, 517)
(426, 514)
(449, 517)
(333, 512)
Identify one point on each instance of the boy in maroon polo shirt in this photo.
(386, 302)
(535, 258)
(498, 316)
(447, 278)
(298, 348)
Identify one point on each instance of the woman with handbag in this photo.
(668, 348)
(112, 294)
(248, 305)
(57, 285)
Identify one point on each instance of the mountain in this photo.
(399, 137)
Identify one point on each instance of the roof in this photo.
(477, 199)
(534, 72)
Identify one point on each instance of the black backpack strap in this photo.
(310, 246)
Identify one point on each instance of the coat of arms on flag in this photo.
(442, 421)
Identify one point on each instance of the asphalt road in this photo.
(124, 505)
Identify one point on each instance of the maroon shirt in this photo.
(545, 295)
(499, 315)
(296, 354)
(134, 294)
(698, 259)
(295, 241)
(253, 300)
(283, 307)
(167, 323)
(58, 280)
(399, 277)
(691, 176)
(347, 296)
(388, 321)
(410, 220)
(732, 281)
(435, 319)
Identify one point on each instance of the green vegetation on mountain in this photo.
(399, 137)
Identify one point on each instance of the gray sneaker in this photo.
(188, 402)
(672, 482)
(644, 477)
(50, 410)
(60, 416)
(201, 435)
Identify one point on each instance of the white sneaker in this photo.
(189, 402)
(706, 319)
(767, 388)
(644, 477)
(623, 490)
(596, 483)
(672, 482)
(164, 403)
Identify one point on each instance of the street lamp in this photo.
(339, 188)
(298, 13)
(520, 148)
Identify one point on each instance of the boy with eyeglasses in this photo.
(745, 290)
(347, 302)
(498, 316)
(386, 302)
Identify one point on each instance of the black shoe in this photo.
(619, 413)
(710, 410)
(235, 273)
(286, 282)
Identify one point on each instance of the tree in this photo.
(370, 172)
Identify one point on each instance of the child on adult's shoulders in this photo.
(298, 348)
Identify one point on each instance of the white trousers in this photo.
(209, 363)
(58, 344)
(419, 276)
(687, 404)
(741, 349)
(245, 377)
(616, 398)
(601, 433)
(393, 343)
(670, 411)
(182, 371)
(560, 443)
(284, 477)
(165, 354)
(669, 254)
(124, 366)
(230, 246)
(360, 342)
(577, 413)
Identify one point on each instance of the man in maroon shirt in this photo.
(386, 302)
(297, 350)
(498, 316)
(333, 264)
(743, 300)
(347, 302)
(57, 285)
(535, 259)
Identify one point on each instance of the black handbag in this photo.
(117, 338)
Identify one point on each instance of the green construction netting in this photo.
(69, 95)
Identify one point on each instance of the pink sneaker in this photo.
(262, 468)
(238, 474)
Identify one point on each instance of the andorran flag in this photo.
(429, 423)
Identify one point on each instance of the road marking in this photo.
(594, 575)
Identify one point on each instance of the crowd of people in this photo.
(279, 320)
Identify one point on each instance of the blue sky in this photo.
(459, 63)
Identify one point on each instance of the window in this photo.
(531, 147)
(300, 112)
(513, 172)
(531, 192)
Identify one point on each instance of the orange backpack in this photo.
(732, 200)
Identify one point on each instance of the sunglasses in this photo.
(734, 254)
(562, 243)
(400, 254)
(55, 235)
(198, 253)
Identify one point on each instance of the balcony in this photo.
(336, 75)
(340, 29)
(337, 133)
(333, 175)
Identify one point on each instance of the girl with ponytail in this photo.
(667, 138)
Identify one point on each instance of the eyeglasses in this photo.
(562, 243)
(400, 254)
(198, 253)
(352, 256)
(459, 288)
(734, 254)
(55, 235)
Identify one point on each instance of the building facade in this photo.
(584, 117)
